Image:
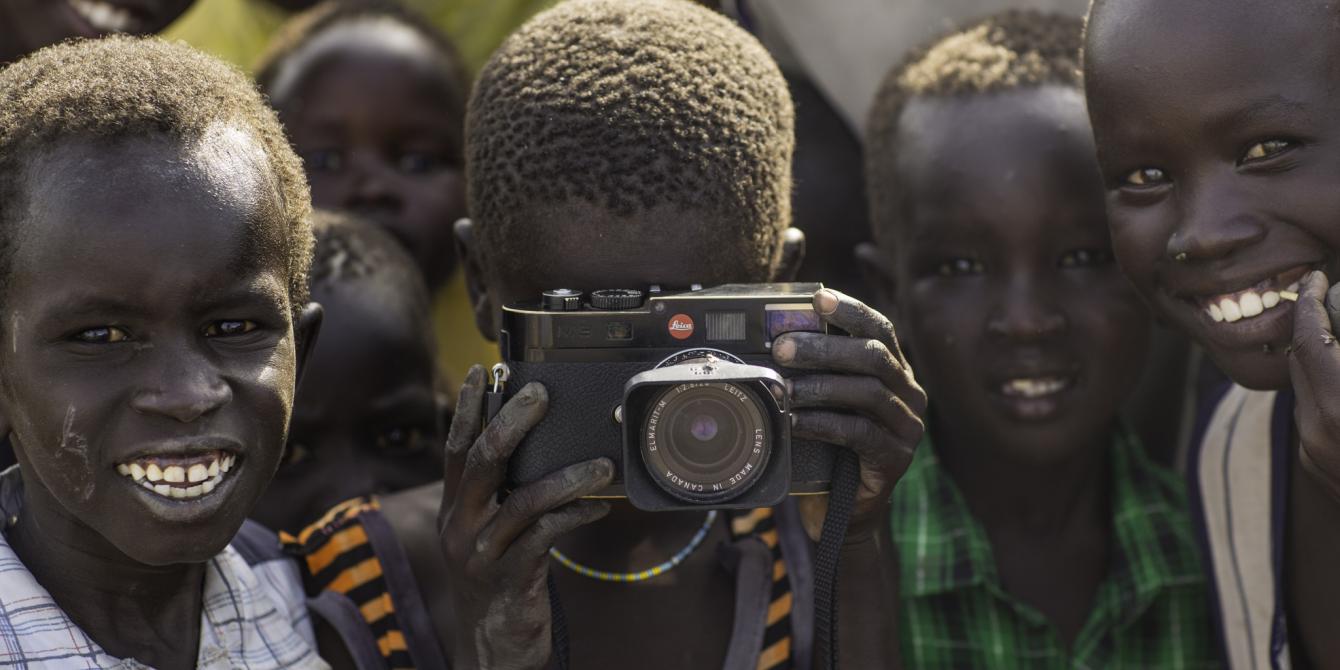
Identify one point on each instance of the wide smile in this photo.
(1033, 395)
(1259, 314)
(180, 476)
(104, 17)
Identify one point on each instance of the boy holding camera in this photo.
(1032, 529)
(614, 143)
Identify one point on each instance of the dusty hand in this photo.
(860, 395)
(1314, 371)
(497, 553)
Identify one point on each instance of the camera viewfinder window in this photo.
(792, 318)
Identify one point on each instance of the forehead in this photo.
(378, 51)
(1152, 58)
(139, 206)
(1020, 151)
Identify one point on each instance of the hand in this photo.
(497, 554)
(861, 396)
(1314, 371)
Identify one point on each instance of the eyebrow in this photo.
(1263, 109)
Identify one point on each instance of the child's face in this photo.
(1021, 327)
(368, 419)
(374, 130)
(140, 336)
(1220, 147)
(33, 24)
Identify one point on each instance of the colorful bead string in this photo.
(645, 574)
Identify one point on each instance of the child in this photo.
(1034, 527)
(154, 282)
(373, 98)
(626, 143)
(1217, 137)
(29, 25)
(369, 418)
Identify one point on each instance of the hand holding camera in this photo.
(860, 394)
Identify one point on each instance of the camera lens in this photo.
(706, 442)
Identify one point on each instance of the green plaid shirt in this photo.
(1151, 611)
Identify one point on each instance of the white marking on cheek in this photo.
(14, 320)
(73, 445)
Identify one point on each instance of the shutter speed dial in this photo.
(616, 298)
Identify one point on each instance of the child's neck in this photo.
(1026, 497)
(132, 610)
(630, 539)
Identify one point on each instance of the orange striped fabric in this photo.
(776, 652)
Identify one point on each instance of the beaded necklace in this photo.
(645, 574)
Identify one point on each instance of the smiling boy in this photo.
(1217, 137)
(153, 282)
(1032, 529)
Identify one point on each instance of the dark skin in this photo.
(1002, 271)
(368, 419)
(29, 25)
(134, 331)
(1229, 155)
(496, 611)
(366, 108)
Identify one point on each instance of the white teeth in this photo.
(1270, 299)
(204, 478)
(1250, 303)
(1230, 309)
(1033, 388)
(1216, 313)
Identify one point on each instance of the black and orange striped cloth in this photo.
(349, 552)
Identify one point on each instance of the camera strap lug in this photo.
(493, 399)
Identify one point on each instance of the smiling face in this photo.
(1220, 149)
(28, 25)
(366, 105)
(368, 419)
(1021, 328)
(148, 363)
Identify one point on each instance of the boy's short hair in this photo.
(628, 105)
(120, 88)
(349, 248)
(300, 31)
(1011, 50)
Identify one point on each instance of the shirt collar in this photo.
(1153, 549)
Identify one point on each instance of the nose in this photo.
(184, 386)
(372, 186)
(1027, 312)
(1212, 224)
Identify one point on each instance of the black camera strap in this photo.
(841, 499)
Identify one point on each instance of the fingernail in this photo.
(825, 301)
(784, 349)
(475, 376)
(602, 468)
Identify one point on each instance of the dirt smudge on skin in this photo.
(73, 460)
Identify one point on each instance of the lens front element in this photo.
(706, 442)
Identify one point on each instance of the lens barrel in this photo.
(706, 442)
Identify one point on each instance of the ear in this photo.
(305, 333)
(792, 255)
(467, 253)
(877, 273)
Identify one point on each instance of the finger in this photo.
(876, 446)
(534, 544)
(486, 462)
(1333, 307)
(465, 426)
(858, 319)
(835, 353)
(526, 504)
(862, 394)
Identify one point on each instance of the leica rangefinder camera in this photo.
(677, 388)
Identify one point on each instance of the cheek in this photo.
(1139, 240)
(943, 327)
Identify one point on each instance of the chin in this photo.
(1268, 372)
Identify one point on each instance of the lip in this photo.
(1034, 408)
(1200, 286)
(185, 447)
(185, 511)
(1274, 325)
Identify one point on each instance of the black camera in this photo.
(677, 388)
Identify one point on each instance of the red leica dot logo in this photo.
(680, 326)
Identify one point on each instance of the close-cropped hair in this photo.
(123, 88)
(1012, 50)
(629, 105)
(287, 56)
(349, 248)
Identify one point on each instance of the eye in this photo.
(1146, 177)
(229, 328)
(418, 162)
(295, 453)
(1080, 258)
(323, 160)
(1266, 149)
(400, 439)
(957, 267)
(102, 335)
